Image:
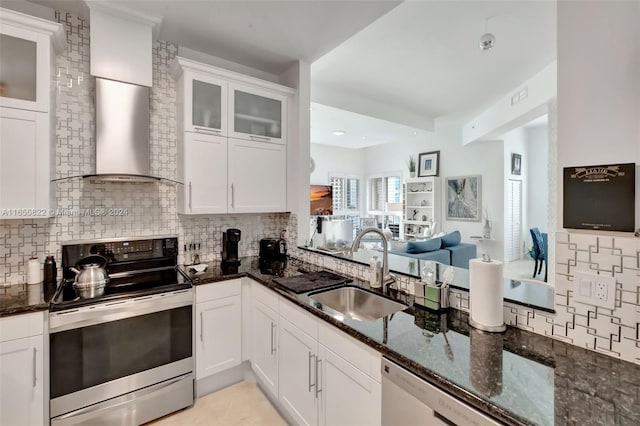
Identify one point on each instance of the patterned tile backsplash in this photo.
(147, 209)
(612, 332)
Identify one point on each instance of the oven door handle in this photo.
(87, 413)
(128, 308)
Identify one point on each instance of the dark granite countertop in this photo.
(518, 377)
(23, 298)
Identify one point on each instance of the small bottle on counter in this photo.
(375, 270)
(50, 274)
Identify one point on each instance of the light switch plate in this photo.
(594, 289)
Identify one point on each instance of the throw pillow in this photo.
(398, 246)
(414, 247)
(451, 239)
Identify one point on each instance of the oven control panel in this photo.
(122, 247)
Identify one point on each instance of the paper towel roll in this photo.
(33, 271)
(485, 292)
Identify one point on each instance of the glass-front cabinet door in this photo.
(258, 115)
(205, 104)
(25, 69)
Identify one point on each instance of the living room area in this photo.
(488, 144)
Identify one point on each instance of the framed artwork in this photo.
(464, 195)
(428, 164)
(516, 164)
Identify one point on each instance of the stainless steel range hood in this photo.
(122, 132)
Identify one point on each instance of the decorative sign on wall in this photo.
(600, 197)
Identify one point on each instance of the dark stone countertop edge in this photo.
(431, 377)
(17, 310)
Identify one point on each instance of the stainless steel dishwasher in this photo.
(409, 400)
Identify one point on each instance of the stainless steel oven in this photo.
(126, 357)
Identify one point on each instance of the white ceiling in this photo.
(405, 62)
(267, 35)
(360, 130)
(423, 57)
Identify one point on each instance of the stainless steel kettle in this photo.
(91, 277)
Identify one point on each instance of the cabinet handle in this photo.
(311, 384)
(233, 197)
(201, 326)
(318, 367)
(273, 346)
(210, 131)
(259, 138)
(189, 195)
(34, 367)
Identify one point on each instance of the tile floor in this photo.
(242, 404)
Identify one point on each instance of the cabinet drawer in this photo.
(218, 290)
(20, 326)
(301, 319)
(264, 295)
(356, 353)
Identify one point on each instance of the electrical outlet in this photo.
(594, 289)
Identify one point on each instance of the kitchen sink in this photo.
(356, 303)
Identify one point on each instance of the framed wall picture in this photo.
(464, 195)
(428, 164)
(516, 164)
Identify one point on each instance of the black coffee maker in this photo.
(230, 240)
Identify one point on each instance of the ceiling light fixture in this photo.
(339, 132)
(487, 40)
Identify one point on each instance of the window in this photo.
(382, 190)
(346, 194)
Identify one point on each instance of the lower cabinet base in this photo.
(224, 379)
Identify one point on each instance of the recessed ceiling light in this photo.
(415, 133)
(339, 132)
(364, 137)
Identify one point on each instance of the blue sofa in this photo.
(447, 249)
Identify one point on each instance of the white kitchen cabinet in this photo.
(257, 177)
(257, 114)
(28, 47)
(26, 154)
(203, 169)
(298, 373)
(22, 370)
(202, 103)
(264, 345)
(347, 395)
(319, 387)
(253, 114)
(218, 327)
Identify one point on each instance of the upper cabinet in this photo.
(232, 154)
(258, 114)
(28, 47)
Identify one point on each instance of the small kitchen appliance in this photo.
(273, 249)
(230, 240)
(125, 353)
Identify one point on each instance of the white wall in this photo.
(330, 158)
(483, 158)
(598, 86)
(537, 177)
(515, 142)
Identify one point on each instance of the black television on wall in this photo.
(321, 197)
(600, 197)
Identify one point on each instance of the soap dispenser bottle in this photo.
(375, 270)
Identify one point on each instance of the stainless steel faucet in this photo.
(386, 279)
